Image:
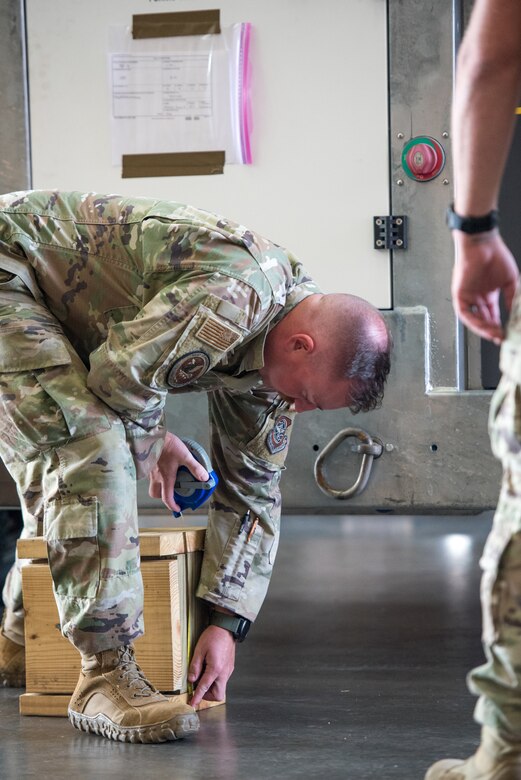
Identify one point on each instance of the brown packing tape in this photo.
(173, 164)
(178, 23)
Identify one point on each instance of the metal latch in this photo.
(390, 232)
(370, 447)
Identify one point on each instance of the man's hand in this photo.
(162, 477)
(212, 664)
(484, 269)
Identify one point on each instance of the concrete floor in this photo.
(354, 670)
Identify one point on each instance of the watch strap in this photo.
(235, 624)
(471, 225)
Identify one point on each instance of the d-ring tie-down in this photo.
(370, 447)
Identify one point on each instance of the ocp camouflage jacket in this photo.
(160, 298)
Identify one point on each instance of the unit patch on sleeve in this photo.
(277, 439)
(188, 368)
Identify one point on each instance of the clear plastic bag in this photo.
(181, 94)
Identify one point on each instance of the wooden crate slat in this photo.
(154, 543)
(158, 651)
(52, 663)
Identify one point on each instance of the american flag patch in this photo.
(218, 335)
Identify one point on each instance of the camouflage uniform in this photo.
(498, 681)
(106, 305)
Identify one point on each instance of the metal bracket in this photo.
(370, 447)
(390, 232)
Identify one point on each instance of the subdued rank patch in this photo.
(217, 334)
(277, 439)
(188, 368)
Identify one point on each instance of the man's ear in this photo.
(301, 342)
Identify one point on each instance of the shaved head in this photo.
(329, 351)
(356, 345)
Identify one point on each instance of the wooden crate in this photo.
(174, 619)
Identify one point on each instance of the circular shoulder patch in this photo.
(188, 368)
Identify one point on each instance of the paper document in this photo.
(181, 94)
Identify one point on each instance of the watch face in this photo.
(242, 629)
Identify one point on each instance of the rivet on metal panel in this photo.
(370, 447)
(399, 182)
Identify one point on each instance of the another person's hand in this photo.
(212, 665)
(484, 269)
(162, 477)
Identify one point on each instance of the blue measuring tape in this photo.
(189, 492)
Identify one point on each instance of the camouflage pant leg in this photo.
(498, 681)
(68, 455)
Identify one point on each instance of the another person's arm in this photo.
(488, 85)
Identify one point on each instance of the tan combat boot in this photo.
(114, 699)
(495, 759)
(12, 663)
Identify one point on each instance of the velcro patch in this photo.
(188, 368)
(231, 312)
(277, 439)
(218, 335)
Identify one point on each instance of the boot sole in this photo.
(177, 727)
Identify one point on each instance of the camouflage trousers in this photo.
(68, 455)
(498, 681)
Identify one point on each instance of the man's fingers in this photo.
(168, 494)
(484, 328)
(217, 692)
(154, 490)
(481, 315)
(196, 667)
(197, 469)
(157, 488)
(204, 684)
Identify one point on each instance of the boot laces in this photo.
(133, 675)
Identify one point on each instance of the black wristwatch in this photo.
(472, 224)
(235, 624)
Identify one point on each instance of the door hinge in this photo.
(390, 232)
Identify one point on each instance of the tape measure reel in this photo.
(189, 492)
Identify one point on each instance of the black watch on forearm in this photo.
(235, 624)
(472, 224)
